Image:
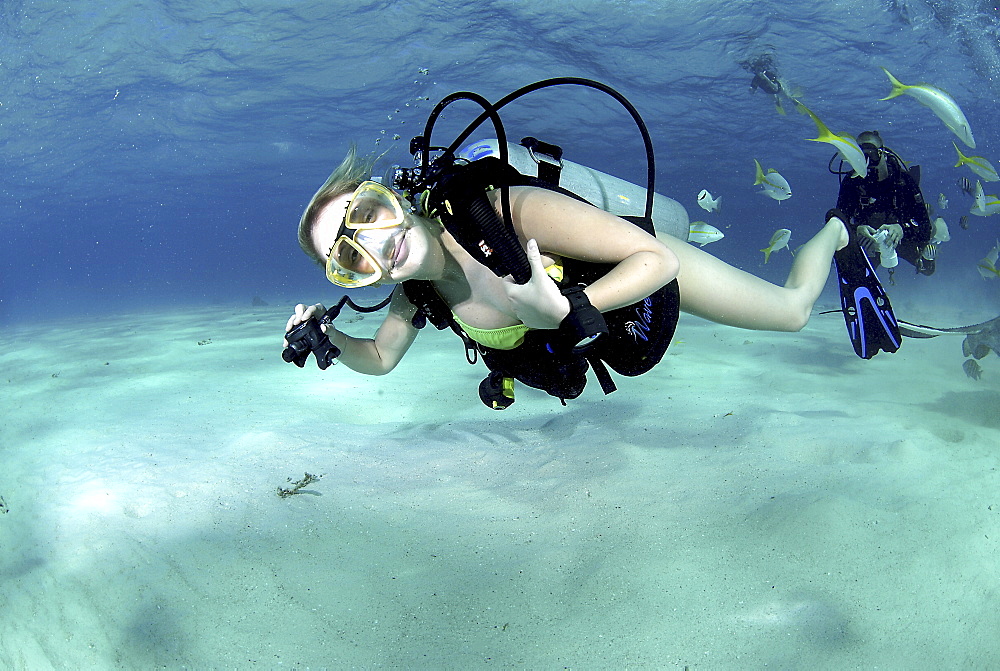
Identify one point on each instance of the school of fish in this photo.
(774, 185)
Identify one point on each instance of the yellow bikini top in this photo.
(505, 337)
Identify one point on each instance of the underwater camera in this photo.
(309, 337)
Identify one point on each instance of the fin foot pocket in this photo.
(868, 314)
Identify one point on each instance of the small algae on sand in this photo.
(309, 478)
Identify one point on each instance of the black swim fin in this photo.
(870, 322)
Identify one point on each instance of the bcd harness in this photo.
(637, 335)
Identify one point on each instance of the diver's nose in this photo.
(380, 242)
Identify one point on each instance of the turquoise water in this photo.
(757, 499)
(162, 151)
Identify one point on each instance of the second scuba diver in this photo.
(888, 200)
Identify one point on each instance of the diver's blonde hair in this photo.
(348, 175)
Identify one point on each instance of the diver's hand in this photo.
(302, 314)
(537, 303)
(866, 238)
(894, 236)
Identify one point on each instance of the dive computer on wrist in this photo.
(584, 324)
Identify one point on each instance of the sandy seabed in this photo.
(759, 499)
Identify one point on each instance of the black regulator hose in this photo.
(497, 233)
(506, 246)
(574, 81)
(495, 229)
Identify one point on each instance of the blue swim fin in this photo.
(870, 322)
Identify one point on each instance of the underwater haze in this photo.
(174, 495)
(161, 152)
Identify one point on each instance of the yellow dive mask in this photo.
(365, 248)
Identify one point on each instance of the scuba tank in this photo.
(605, 191)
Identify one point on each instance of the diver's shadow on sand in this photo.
(815, 351)
(975, 407)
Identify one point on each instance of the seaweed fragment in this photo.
(309, 478)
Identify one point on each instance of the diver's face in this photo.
(395, 253)
(872, 152)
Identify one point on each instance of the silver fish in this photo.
(778, 241)
(708, 203)
(703, 233)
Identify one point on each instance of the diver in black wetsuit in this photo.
(888, 198)
(765, 78)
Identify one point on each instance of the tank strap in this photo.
(601, 371)
(547, 156)
(640, 220)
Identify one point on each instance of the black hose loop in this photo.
(505, 245)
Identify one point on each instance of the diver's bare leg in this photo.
(715, 290)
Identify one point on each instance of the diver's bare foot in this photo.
(844, 237)
(838, 220)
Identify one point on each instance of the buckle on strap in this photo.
(548, 158)
(471, 348)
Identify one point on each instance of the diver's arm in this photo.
(379, 355)
(370, 356)
(567, 227)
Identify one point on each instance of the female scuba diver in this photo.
(364, 233)
(540, 283)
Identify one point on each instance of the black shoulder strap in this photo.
(432, 308)
(450, 201)
(642, 221)
(901, 169)
(459, 200)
